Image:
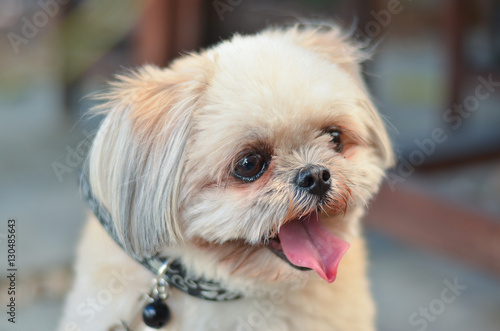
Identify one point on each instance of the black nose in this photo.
(314, 179)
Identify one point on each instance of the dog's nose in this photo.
(314, 179)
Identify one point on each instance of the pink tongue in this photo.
(308, 243)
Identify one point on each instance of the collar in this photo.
(176, 274)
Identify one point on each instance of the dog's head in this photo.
(253, 147)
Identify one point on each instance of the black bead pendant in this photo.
(156, 314)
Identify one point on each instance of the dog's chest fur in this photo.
(104, 269)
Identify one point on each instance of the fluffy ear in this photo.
(379, 141)
(136, 161)
(338, 47)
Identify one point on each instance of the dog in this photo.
(251, 164)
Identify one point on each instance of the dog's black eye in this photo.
(334, 132)
(250, 167)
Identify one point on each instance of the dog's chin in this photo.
(300, 244)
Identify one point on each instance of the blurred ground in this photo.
(404, 280)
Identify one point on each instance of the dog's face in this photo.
(241, 150)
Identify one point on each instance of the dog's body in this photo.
(224, 161)
(103, 266)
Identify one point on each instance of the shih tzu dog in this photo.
(242, 172)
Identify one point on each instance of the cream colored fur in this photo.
(162, 164)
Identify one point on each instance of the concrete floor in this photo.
(405, 279)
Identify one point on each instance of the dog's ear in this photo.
(137, 158)
(338, 47)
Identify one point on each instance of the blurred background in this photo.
(435, 76)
